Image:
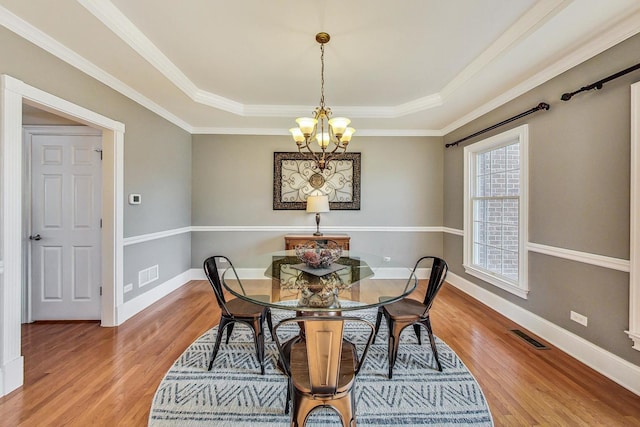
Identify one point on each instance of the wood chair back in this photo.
(323, 367)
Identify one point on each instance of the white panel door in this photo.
(65, 226)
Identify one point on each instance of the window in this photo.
(495, 210)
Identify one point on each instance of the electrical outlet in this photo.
(128, 288)
(386, 259)
(577, 317)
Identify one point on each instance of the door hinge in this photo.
(100, 222)
(100, 290)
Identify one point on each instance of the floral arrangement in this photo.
(317, 255)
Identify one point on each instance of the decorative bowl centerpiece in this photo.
(318, 255)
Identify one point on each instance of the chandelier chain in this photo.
(322, 75)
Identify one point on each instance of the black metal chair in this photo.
(409, 312)
(236, 310)
(322, 367)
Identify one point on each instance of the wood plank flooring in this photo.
(80, 374)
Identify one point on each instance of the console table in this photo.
(291, 240)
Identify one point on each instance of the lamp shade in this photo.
(339, 124)
(297, 134)
(318, 204)
(346, 136)
(323, 139)
(306, 124)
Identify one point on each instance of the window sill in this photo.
(496, 281)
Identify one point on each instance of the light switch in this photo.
(135, 199)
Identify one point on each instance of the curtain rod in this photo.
(541, 106)
(598, 85)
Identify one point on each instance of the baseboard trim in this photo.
(139, 303)
(608, 364)
(11, 375)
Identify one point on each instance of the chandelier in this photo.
(331, 134)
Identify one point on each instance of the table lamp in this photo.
(317, 204)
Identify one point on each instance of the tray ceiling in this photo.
(411, 67)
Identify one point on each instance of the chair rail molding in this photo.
(128, 241)
(634, 238)
(585, 257)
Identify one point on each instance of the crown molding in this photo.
(120, 25)
(541, 12)
(617, 33)
(283, 132)
(107, 13)
(27, 31)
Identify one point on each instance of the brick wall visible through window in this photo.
(495, 210)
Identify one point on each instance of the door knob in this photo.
(36, 237)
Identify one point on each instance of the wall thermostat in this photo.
(135, 199)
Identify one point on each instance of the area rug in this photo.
(234, 393)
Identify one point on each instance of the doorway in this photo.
(13, 94)
(62, 205)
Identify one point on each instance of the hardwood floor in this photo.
(80, 374)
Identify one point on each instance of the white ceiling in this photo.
(406, 67)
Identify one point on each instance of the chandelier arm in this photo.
(322, 114)
(331, 156)
(335, 149)
(316, 160)
(308, 148)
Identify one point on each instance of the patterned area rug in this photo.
(235, 394)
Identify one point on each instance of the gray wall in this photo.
(579, 197)
(157, 154)
(401, 186)
(579, 188)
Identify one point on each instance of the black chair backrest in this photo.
(439, 269)
(211, 270)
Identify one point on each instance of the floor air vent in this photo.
(535, 343)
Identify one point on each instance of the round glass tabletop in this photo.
(352, 282)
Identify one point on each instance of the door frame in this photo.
(634, 226)
(13, 94)
(30, 130)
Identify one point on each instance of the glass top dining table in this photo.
(353, 282)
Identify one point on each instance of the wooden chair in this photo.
(322, 367)
(236, 311)
(409, 312)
